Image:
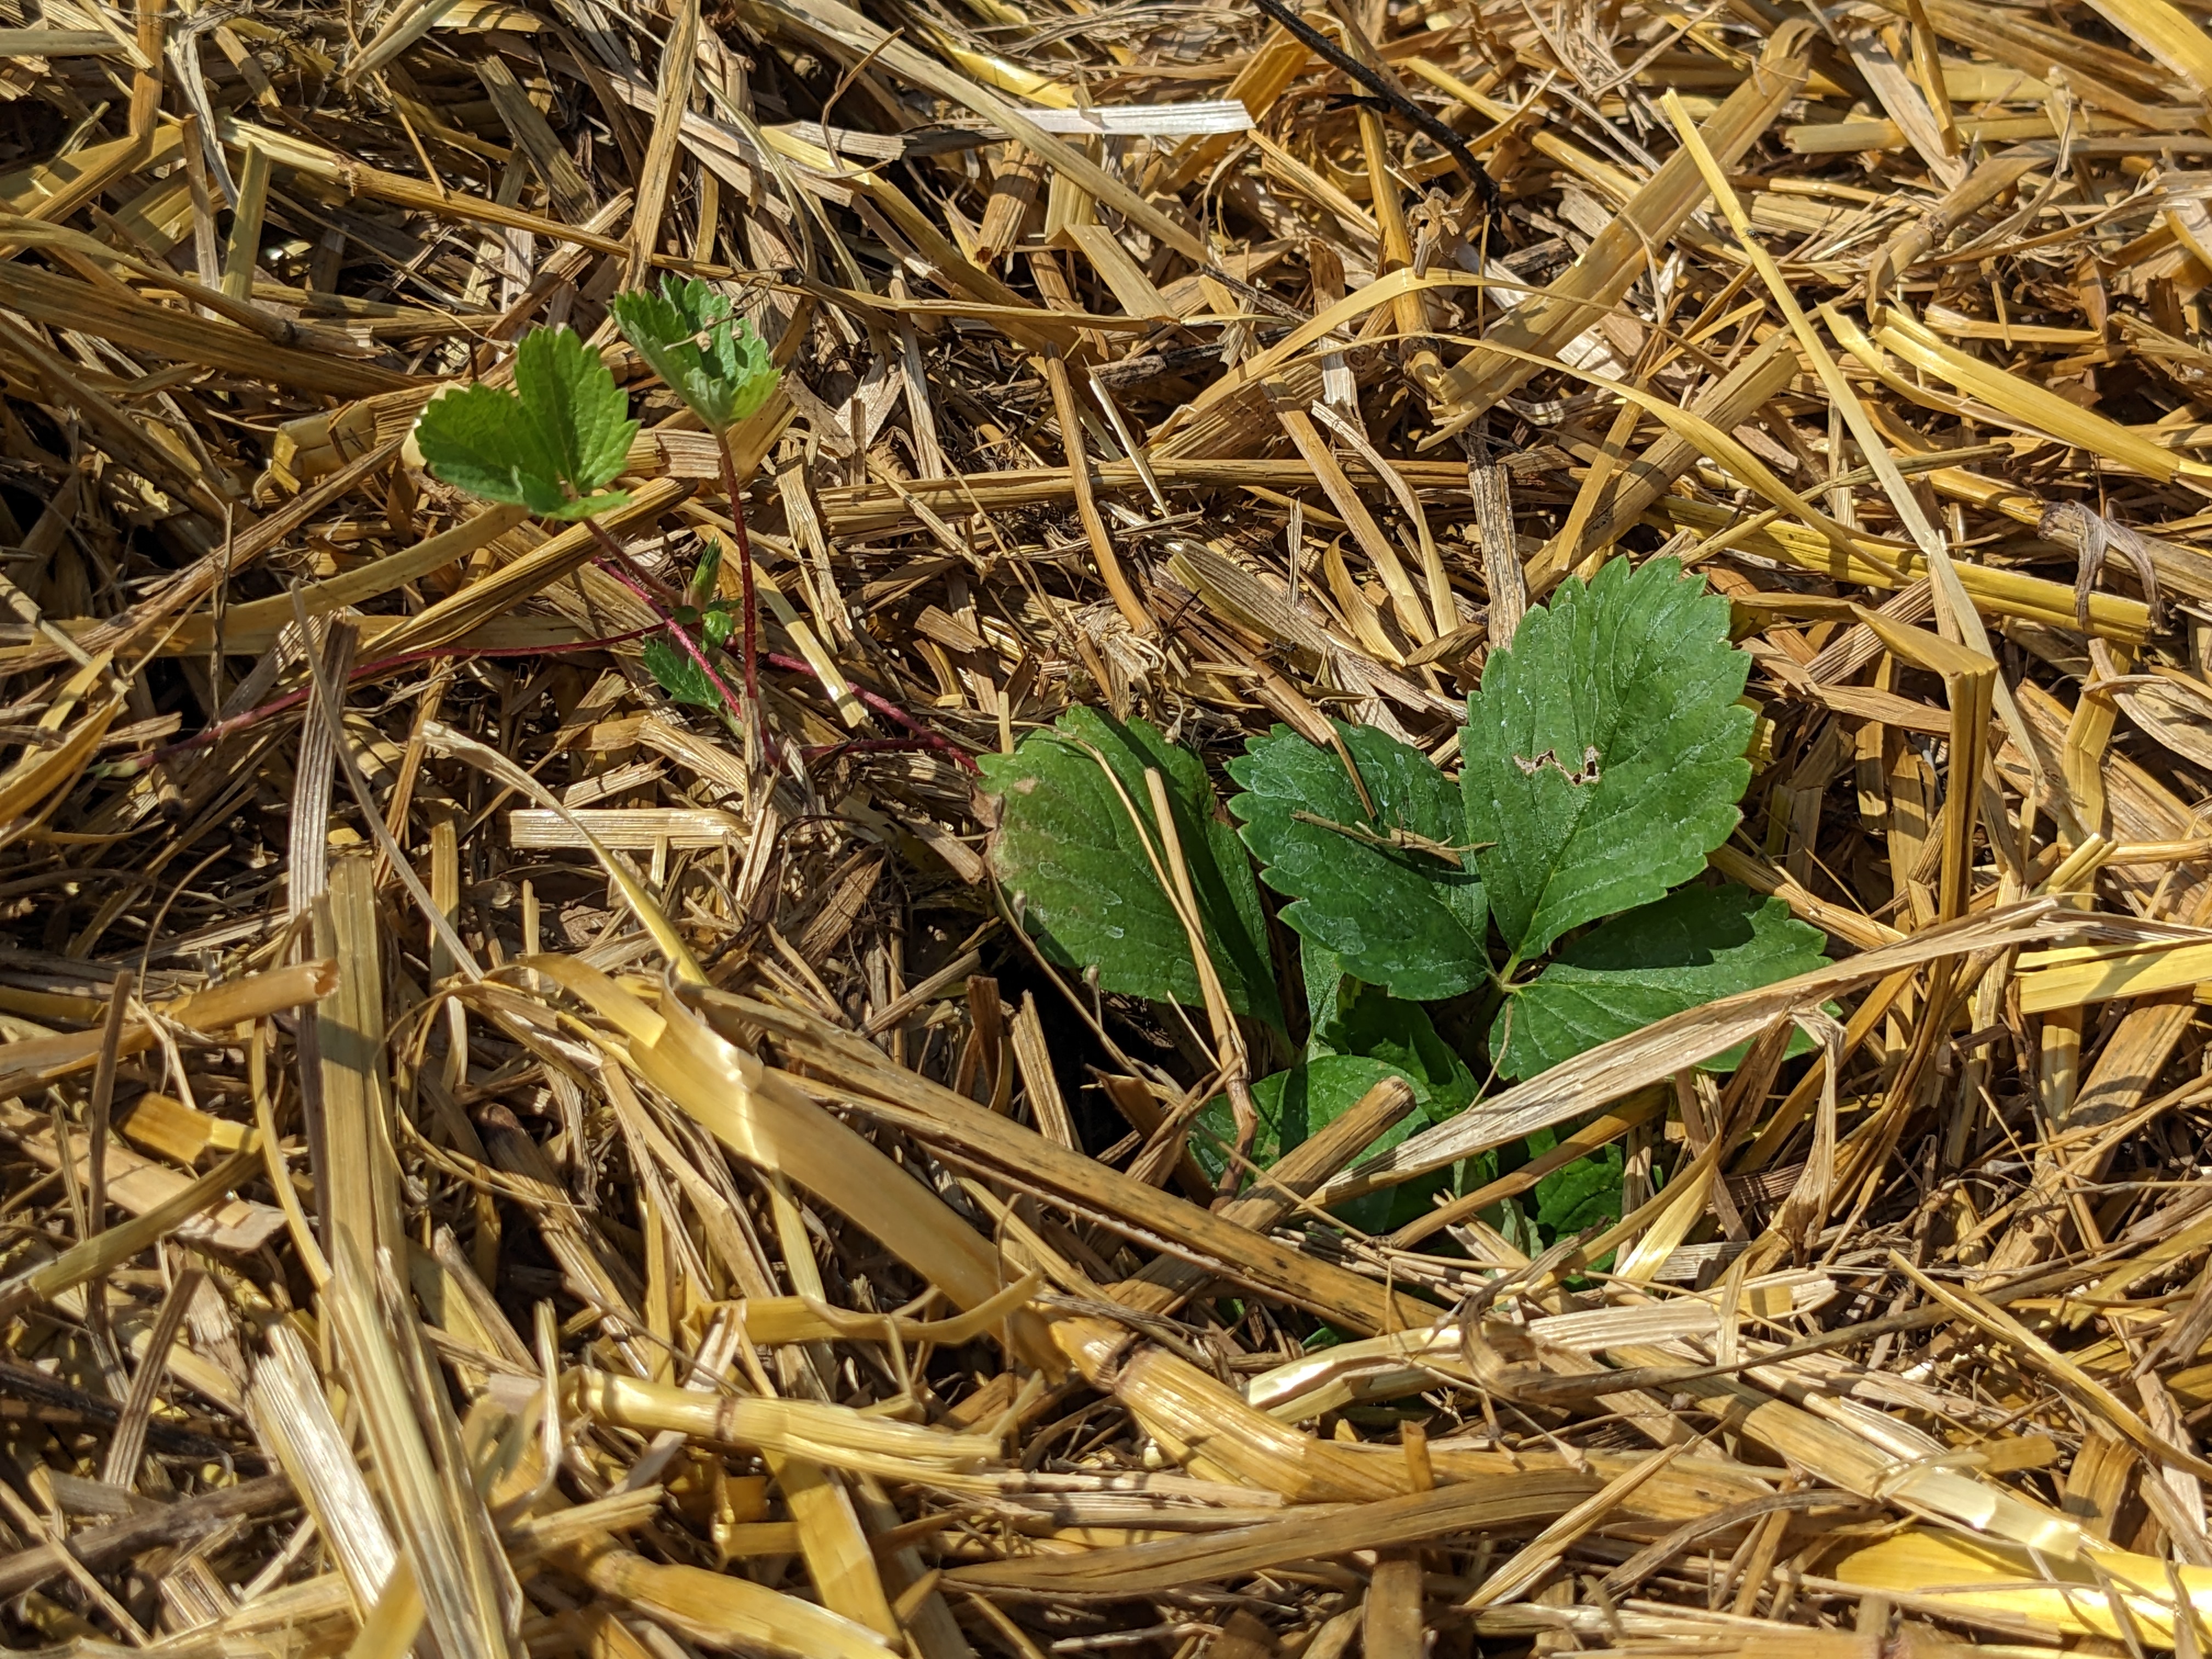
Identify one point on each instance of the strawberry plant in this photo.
(711, 358)
(1550, 887)
(553, 444)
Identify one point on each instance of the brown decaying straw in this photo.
(499, 1164)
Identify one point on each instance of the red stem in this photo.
(880, 746)
(253, 717)
(884, 706)
(683, 639)
(922, 736)
(749, 606)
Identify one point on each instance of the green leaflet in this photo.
(1068, 850)
(551, 445)
(707, 356)
(1604, 753)
(1393, 914)
(1325, 984)
(1361, 1035)
(1372, 1023)
(1683, 952)
(475, 440)
(673, 670)
(1297, 1104)
(1583, 1194)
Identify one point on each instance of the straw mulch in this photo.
(400, 1256)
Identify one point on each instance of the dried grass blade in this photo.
(1543, 323)
(293, 1419)
(470, 1601)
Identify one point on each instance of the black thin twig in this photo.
(1381, 86)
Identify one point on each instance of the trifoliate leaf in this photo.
(707, 357)
(674, 672)
(1068, 848)
(550, 444)
(1604, 754)
(1384, 895)
(1681, 952)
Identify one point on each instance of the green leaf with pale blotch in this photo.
(1394, 914)
(551, 445)
(707, 356)
(1682, 952)
(1068, 850)
(1604, 754)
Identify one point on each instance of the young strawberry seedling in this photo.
(712, 358)
(553, 444)
(1550, 888)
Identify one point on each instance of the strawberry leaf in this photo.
(707, 356)
(1396, 913)
(1691, 947)
(1069, 851)
(1370, 1022)
(1583, 1194)
(676, 673)
(551, 445)
(1298, 1104)
(581, 414)
(1604, 753)
(475, 439)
